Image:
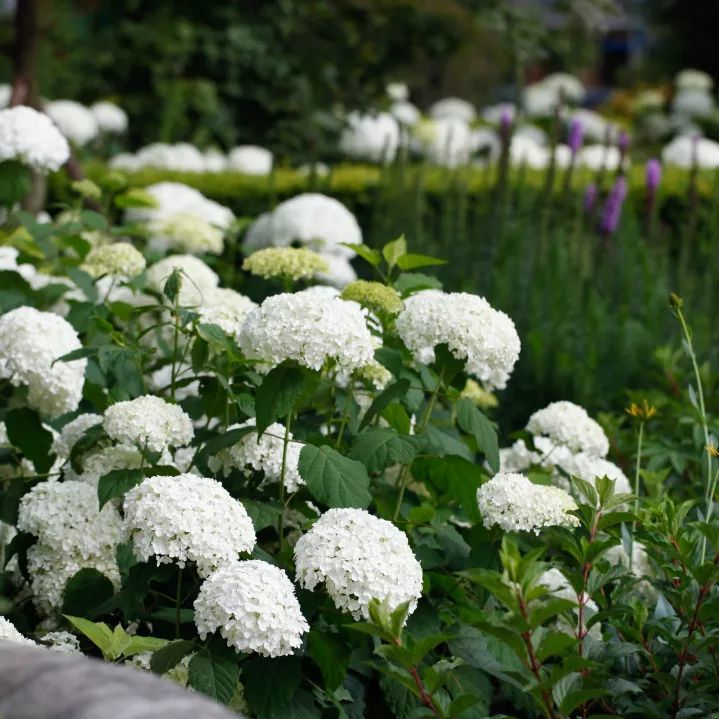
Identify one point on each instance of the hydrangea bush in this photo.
(297, 503)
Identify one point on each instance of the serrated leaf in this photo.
(333, 479)
(413, 262)
(170, 655)
(331, 656)
(115, 483)
(366, 253)
(214, 671)
(472, 421)
(392, 251)
(380, 447)
(396, 390)
(85, 591)
(278, 393)
(26, 433)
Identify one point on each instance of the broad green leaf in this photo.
(15, 182)
(413, 262)
(97, 632)
(392, 251)
(409, 282)
(270, 685)
(379, 447)
(94, 220)
(115, 483)
(171, 288)
(262, 514)
(366, 253)
(215, 670)
(138, 645)
(278, 393)
(472, 421)
(86, 590)
(332, 479)
(169, 656)
(396, 390)
(331, 655)
(25, 431)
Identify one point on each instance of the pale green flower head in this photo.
(290, 263)
(119, 259)
(375, 296)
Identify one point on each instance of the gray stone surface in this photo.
(40, 684)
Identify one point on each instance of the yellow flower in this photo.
(643, 411)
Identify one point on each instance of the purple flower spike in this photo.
(590, 197)
(654, 174)
(613, 207)
(576, 134)
(623, 142)
(505, 122)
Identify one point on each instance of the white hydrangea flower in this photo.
(74, 120)
(690, 79)
(684, 151)
(594, 157)
(51, 569)
(30, 137)
(358, 557)
(64, 442)
(590, 468)
(250, 160)
(186, 232)
(30, 341)
(109, 117)
(292, 263)
(558, 586)
(197, 277)
(571, 87)
(445, 141)
(148, 422)
(226, 309)
(180, 157)
(567, 424)
(61, 642)
(8, 633)
(65, 516)
(97, 463)
(486, 338)
(316, 221)
(453, 108)
(174, 197)
(513, 503)
(160, 381)
(119, 259)
(397, 91)
(264, 455)
(370, 137)
(215, 161)
(406, 113)
(254, 607)
(493, 114)
(187, 518)
(309, 329)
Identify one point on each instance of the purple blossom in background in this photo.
(590, 197)
(623, 142)
(613, 207)
(654, 174)
(505, 123)
(576, 134)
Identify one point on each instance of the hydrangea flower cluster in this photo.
(61, 642)
(358, 557)
(8, 633)
(567, 424)
(486, 338)
(148, 422)
(370, 137)
(30, 342)
(186, 232)
(225, 308)
(64, 442)
(187, 518)
(75, 121)
(31, 138)
(72, 534)
(292, 263)
(197, 278)
(119, 259)
(261, 455)
(98, 462)
(375, 296)
(310, 329)
(250, 160)
(175, 197)
(110, 118)
(513, 503)
(254, 607)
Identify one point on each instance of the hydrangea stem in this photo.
(637, 472)
(283, 470)
(178, 602)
